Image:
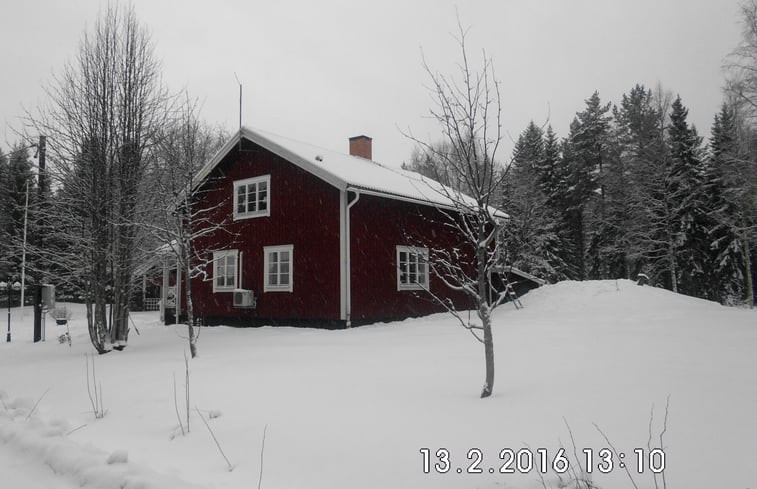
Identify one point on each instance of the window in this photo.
(252, 197)
(412, 268)
(224, 270)
(278, 268)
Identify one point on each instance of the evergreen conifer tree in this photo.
(14, 176)
(586, 155)
(727, 267)
(531, 238)
(640, 148)
(689, 203)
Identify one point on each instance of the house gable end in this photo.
(234, 145)
(312, 275)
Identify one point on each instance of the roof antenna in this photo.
(240, 111)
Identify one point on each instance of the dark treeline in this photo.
(634, 189)
(16, 172)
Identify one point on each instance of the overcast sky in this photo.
(322, 71)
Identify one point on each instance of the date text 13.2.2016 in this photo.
(526, 460)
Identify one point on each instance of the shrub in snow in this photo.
(21, 403)
(642, 279)
(61, 313)
(118, 457)
(57, 427)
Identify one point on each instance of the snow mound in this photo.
(118, 457)
(610, 296)
(87, 466)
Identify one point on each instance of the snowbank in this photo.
(353, 408)
(87, 466)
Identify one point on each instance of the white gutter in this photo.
(387, 195)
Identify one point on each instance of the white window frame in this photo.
(223, 255)
(267, 252)
(245, 183)
(417, 251)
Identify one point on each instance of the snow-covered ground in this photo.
(353, 408)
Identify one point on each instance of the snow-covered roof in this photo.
(344, 171)
(526, 275)
(156, 257)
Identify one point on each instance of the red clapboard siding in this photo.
(378, 225)
(305, 213)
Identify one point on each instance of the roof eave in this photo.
(266, 143)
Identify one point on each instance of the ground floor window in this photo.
(225, 270)
(412, 268)
(278, 268)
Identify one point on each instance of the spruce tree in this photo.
(529, 150)
(639, 137)
(728, 264)
(17, 173)
(586, 154)
(531, 237)
(549, 171)
(689, 204)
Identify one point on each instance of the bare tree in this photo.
(740, 175)
(104, 111)
(468, 110)
(186, 144)
(438, 169)
(741, 64)
(741, 171)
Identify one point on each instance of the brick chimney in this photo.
(361, 146)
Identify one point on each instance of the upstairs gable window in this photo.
(252, 197)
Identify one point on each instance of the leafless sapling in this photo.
(468, 110)
(186, 143)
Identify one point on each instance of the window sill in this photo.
(240, 217)
(277, 289)
(223, 289)
(410, 287)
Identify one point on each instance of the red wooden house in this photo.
(317, 236)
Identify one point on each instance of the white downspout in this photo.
(348, 281)
(239, 284)
(343, 255)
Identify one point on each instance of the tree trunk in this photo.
(97, 320)
(580, 245)
(748, 269)
(488, 355)
(484, 313)
(672, 269)
(190, 308)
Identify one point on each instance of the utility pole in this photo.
(41, 187)
(240, 119)
(23, 254)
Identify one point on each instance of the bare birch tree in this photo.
(741, 64)
(104, 111)
(741, 171)
(468, 110)
(186, 144)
